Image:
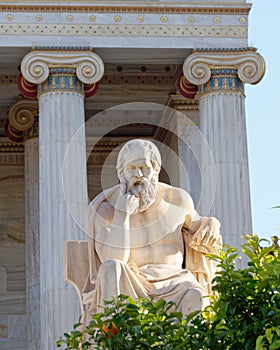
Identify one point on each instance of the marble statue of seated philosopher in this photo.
(145, 238)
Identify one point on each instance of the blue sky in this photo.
(263, 120)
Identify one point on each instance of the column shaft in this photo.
(32, 243)
(61, 115)
(23, 126)
(222, 121)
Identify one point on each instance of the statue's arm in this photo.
(112, 237)
(201, 236)
(112, 227)
(203, 231)
(192, 219)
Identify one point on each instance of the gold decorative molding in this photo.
(128, 30)
(101, 146)
(190, 108)
(224, 50)
(11, 153)
(180, 103)
(222, 81)
(9, 17)
(11, 147)
(156, 8)
(61, 80)
(104, 146)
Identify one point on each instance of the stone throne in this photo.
(76, 263)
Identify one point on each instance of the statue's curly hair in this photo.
(150, 149)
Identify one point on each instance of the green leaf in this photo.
(269, 335)
(76, 325)
(249, 253)
(59, 343)
(275, 345)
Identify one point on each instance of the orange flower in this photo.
(110, 329)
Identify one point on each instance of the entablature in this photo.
(125, 24)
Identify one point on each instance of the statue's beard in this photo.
(145, 190)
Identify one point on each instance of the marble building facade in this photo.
(63, 63)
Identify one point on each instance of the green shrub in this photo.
(244, 313)
(129, 324)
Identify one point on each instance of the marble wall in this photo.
(13, 328)
(12, 258)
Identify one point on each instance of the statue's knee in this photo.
(199, 293)
(111, 265)
(198, 298)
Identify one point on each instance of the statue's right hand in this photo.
(127, 202)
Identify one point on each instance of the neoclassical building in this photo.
(79, 78)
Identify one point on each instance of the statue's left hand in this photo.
(209, 233)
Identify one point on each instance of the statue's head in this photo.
(138, 166)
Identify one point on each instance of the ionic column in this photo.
(220, 76)
(60, 76)
(23, 124)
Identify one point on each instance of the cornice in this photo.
(224, 50)
(177, 8)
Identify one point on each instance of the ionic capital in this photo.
(201, 64)
(36, 65)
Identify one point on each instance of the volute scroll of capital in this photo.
(250, 65)
(34, 69)
(252, 69)
(35, 65)
(90, 71)
(22, 114)
(199, 71)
